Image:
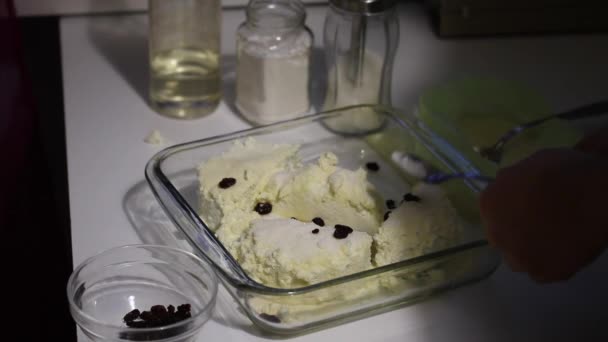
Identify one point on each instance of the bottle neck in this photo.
(275, 15)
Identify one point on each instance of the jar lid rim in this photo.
(364, 6)
(292, 13)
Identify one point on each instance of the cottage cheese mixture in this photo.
(291, 224)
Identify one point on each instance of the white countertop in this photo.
(107, 119)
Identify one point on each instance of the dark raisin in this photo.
(183, 308)
(137, 324)
(409, 197)
(170, 319)
(154, 322)
(342, 226)
(315, 231)
(158, 316)
(270, 318)
(390, 204)
(372, 166)
(386, 214)
(158, 309)
(341, 231)
(181, 315)
(146, 315)
(131, 316)
(263, 208)
(227, 182)
(183, 312)
(318, 221)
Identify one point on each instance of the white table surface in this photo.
(107, 118)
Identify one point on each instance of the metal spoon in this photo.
(419, 168)
(494, 153)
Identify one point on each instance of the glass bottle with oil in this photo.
(184, 50)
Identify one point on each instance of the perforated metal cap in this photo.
(364, 6)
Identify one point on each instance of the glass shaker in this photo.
(273, 59)
(360, 39)
(184, 51)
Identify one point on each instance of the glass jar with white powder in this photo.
(273, 58)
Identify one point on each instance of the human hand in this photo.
(547, 213)
(596, 142)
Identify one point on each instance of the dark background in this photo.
(34, 209)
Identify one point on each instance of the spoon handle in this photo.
(589, 110)
(593, 109)
(439, 177)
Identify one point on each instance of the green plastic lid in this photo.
(477, 111)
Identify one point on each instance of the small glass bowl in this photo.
(107, 286)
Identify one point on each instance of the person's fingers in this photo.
(542, 278)
(488, 207)
(596, 143)
(514, 264)
(552, 276)
(532, 214)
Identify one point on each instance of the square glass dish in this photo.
(357, 135)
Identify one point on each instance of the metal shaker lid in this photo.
(364, 6)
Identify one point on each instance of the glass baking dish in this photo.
(357, 135)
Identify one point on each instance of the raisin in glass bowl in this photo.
(175, 288)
